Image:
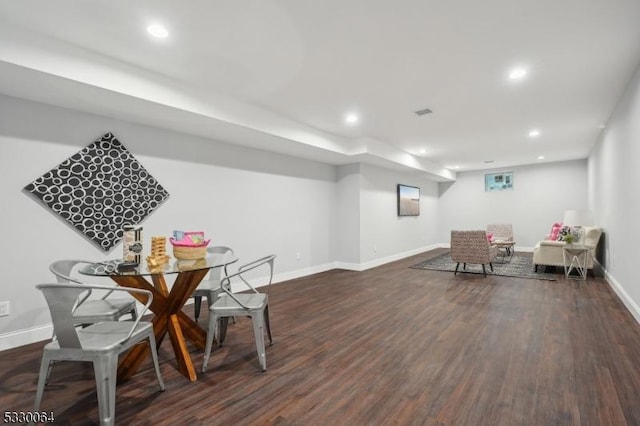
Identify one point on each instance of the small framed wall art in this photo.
(408, 200)
(498, 181)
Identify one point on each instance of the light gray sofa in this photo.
(549, 252)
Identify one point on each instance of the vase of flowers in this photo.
(569, 234)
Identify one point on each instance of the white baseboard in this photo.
(383, 260)
(628, 302)
(298, 273)
(25, 337)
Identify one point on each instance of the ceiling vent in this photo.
(423, 112)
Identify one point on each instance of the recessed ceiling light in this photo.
(517, 73)
(423, 151)
(351, 118)
(158, 31)
(534, 133)
(540, 157)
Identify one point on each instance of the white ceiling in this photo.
(281, 74)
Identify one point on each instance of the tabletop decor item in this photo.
(158, 251)
(99, 190)
(132, 243)
(189, 245)
(569, 234)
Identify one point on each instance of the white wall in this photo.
(347, 216)
(540, 194)
(253, 201)
(614, 174)
(384, 235)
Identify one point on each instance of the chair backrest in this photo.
(216, 273)
(501, 231)
(62, 302)
(61, 299)
(470, 246)
(62, 270)
(225, 283)
(590, 235)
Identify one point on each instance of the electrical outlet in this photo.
(4, 309)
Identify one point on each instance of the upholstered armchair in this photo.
(548, 252)
(501, 231)
(472, 247)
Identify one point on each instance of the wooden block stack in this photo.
(158, 251)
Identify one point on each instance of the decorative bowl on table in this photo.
(189, 245)
(191, 264)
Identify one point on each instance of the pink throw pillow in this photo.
(555, 231)
(490, 237)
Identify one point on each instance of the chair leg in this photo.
(134, 314)
(197, 302)
(154, 355)
(49, 368)
(224, 322)
(484, 270)
(267, 323)
(457, 266)
(491, 266)
(42, 379)
(211, 332)
(258, 331)
(106, 370)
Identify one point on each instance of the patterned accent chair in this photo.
(501, 231)
(472, 247)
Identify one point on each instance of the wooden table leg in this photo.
(186, 282)
(192, 331)
(130, 362)
(169, 318)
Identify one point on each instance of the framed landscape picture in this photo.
(498, 181)
(408, 200)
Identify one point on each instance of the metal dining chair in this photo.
(99, 343)
(210, 288)
(87, 310)
(253, 304)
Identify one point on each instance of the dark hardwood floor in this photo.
(387, 346)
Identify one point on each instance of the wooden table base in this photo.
(169, 318)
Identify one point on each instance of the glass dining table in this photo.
(166, 305)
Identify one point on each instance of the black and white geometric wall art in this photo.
(99, 190)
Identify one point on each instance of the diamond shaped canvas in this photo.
(99, 190)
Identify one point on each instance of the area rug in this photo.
(519, 266)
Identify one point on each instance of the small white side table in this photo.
(575, 260)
